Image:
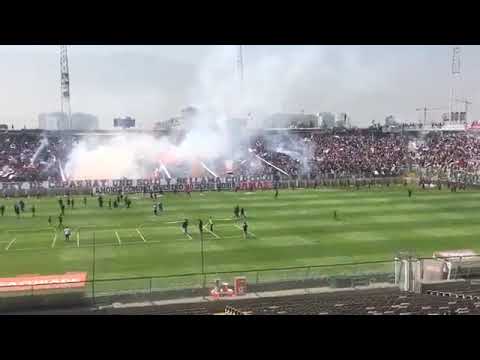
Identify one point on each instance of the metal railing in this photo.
(107, 290)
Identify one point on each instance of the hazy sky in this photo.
(153, 83)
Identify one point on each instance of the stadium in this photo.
(202, 215)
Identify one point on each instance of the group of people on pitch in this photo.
(237, 212)
(18, 207)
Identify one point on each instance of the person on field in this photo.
(109, 203)
(68, 201)
(236, 211)
(245, 229)
(33, 210)
(409, 193)
(17, 210)
(200, 226)
(185, 227)
(210, 223)
(84, 201)
(160, 206)
(2, 209)
(276, 193)
(155, 209)
(50, 220)
(22, 205)
(242, 213)
(62, 208)
(60, 220)
(335, 216)
(72, 202)
(67, 232)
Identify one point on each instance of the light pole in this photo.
(202, 250)
(93, 269)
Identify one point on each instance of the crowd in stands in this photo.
(27, 156)
(442, 153)
(364, 155)
(30, 156)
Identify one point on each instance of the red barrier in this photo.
(46, 282)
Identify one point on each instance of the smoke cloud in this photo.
(211, 134)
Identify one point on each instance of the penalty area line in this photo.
(54, 240)
(139, 233)
(186, 233)
(211, 232)
(248, 232)
(118, 238)
(10, 244)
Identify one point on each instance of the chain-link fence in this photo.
(107, 291)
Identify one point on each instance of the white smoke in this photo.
(219, 96)
(133, 155)
(43, 145)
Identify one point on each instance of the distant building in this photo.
(390, 121)
(52, 121)
(124, 123)
(172, 123)
(59, 121)
(82, 121)
(342, 120)
(327, 120)
(300, 120)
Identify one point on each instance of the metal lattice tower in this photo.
(240, 62)
(455, 79)
(65, 86)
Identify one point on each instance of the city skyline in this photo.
(153, 83)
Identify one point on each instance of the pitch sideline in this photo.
(10, 244)
(118, 238)
(54, 240)
(141, 235)
(211, 232)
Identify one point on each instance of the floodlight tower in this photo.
(455, 79)
(65, 86)
(240, 63)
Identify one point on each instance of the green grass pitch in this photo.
(296, 229)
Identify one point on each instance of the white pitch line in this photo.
(10, 244)
(211, 232)
(174, 222)
(248, 232)
(188, 236)
(118, 238)
(139, 233)
(78, 238)
(54, 240)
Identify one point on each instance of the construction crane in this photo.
(425, 109)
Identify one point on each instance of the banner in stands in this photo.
(46, 282)
(145, 185)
